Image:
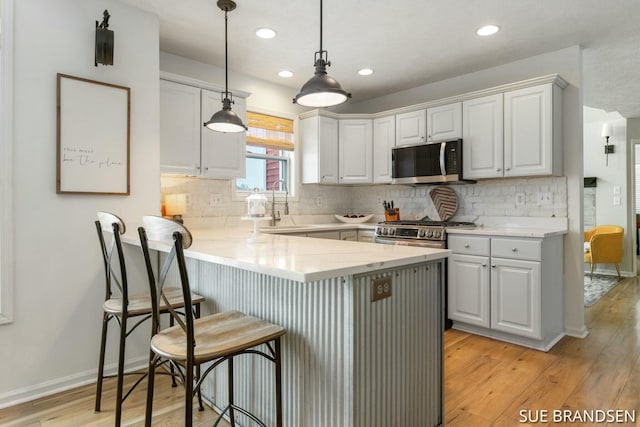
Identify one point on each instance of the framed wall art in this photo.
(92, 137)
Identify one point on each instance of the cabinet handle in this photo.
(484, 265)
(514, 249)
(493, 266)
(466, 245)
(498, 170)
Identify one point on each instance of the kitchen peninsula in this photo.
(349, 359)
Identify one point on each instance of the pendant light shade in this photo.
(321, 90)
(226, 120)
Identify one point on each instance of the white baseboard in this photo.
(58, 385)
(577, 333)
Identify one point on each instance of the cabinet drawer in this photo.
(469, 245)
(517, 249)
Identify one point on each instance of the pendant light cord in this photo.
(226, 57)
(321, 28)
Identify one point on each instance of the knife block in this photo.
(392, 214)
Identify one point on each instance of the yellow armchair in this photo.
(604, 246)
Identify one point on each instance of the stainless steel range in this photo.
(423, 232)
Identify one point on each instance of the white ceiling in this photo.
(410, 42)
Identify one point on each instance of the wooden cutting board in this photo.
(445, 201)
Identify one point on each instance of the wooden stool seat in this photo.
(141, 303)
(217, 335)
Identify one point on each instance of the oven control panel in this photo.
(430, 232)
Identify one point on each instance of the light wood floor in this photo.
(487, 382)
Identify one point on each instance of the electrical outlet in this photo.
(544, 198)
(188, 199)
(616, 189)
(378, 200)
(380, 288)
(616, 201)
(318, 201)
(215, 199)
(519, 199)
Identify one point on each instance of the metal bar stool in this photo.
(121, 307)
(215, 338)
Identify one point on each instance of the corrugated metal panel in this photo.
(346, 361)
(398, 344)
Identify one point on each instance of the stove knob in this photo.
(384, 231)
(421, 233)
(392, 231)
(436, 234)
(429, 233)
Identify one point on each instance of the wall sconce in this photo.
(175, 205)
(607, 131)
(104, 41)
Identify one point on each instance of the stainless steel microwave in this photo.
(439, 162)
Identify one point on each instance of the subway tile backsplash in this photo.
(485, 198)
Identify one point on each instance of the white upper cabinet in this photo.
(179, 128)
(444, 122)
(319, 138)
(532, 131)
(482, 132)
(411, 127)
(186, 146)
(518, 133)
(355, 151)
(384, 139)
(223, 154)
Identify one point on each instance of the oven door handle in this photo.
(443, 149)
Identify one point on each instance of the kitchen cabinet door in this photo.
(384, 139)
(482, 136)
(350, 235)
(411, 127)
(468, 289)
(529, 132)
(179, 128)
(223, 154)
(332, 235)
(516, 297)
(444, 122)
(355, 151)
(319, 138)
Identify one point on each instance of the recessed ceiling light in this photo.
(365, 71)
(265, 33)
(487, 30)
(285, 73)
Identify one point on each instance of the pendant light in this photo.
(321, 90)
(226, 120)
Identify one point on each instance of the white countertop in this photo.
(297, 258)
(510, 231)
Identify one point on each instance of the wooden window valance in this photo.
(269, 131)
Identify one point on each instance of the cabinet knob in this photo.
(493, 266)
(466, 245)
(206, 169)
(514, 249)
(498, 170)
(484, 265)
(508, 169)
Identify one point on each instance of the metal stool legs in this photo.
(103, 343)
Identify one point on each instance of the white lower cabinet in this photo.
(507, 288)
(469, 289)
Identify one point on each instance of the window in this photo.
(269, 153)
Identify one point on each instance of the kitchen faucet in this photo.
(274, 218)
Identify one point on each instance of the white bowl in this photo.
(358, 220)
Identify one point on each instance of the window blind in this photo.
(269, 131)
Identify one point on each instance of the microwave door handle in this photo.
(443, 148)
